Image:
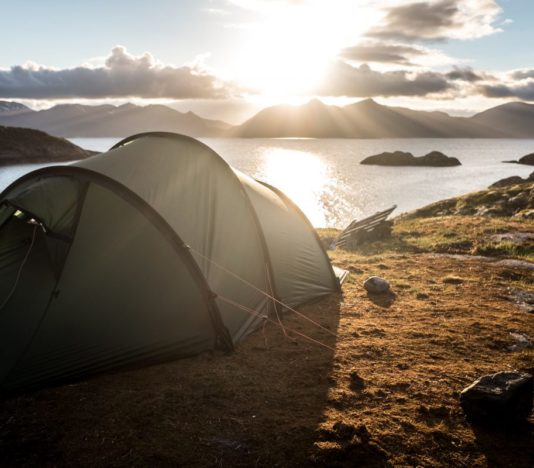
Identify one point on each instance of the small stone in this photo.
(452, 280)
(422, 296)
(356, 382)
(500, 397)
(376, 285)
(522, 341)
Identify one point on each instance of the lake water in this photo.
(325, 179)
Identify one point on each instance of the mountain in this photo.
(25, 146)
(368, 119)
(12, 108)
(516, 119)
(76, 120)
(364, 119)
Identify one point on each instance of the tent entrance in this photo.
(27, 281)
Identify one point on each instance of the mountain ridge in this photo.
(314, 119)
(78, 120)
(369, 119)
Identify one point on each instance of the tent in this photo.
(153, 250)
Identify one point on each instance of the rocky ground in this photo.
(384, 391)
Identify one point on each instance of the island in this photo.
(401, 158)
(528, 159)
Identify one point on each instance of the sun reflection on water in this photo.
(302, 176)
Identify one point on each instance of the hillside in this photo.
(368, 119)
(515, 119)
(76, 120)
(25, 146)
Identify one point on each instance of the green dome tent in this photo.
(154, 250)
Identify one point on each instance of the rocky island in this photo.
(401, 158)
(27, 146)
(528, 159)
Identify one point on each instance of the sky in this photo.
(226, 59)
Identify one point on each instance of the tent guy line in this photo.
(269, 296)
(265, 317)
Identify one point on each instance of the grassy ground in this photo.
(468, 235)
(385, 394)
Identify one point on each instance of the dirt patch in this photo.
(387, 395)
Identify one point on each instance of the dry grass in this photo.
(387, 395)
(474, 235)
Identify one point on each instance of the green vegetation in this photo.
(466, 225)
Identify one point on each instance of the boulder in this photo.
(502, 397)
(376, 285)
(525, 214)
(527, 159)
(507, 181)
(401, 158)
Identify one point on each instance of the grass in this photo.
(465, 235)
(469, 235)
(386, 395)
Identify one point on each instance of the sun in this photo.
(289, 50)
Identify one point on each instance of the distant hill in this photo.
(76, 120)
(515, 119)
(25, 146)
(364, 119)
(12, 108)
(368, 119)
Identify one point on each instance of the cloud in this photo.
(438, 20)
(122, 75)
(523, 90)
(346, 80)
(381, 52)
(464, 74)
(522, 74)
(512, 84)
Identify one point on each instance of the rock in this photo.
(490, 212)
(523, 298)
(525, 214)
(401, 158)
(522, 341)
(356, 382)
(376, 285)
(507, 181)
(514, 237)
(501, 397)
(452, 280)
(519, 201)
(527, 159)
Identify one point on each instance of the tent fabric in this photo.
(139, 255)
(301, 271)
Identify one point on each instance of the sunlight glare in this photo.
(289, 51)
(301, 175)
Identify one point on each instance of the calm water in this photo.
(325, 179)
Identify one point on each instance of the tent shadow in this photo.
(258, 406)
(505, 446)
